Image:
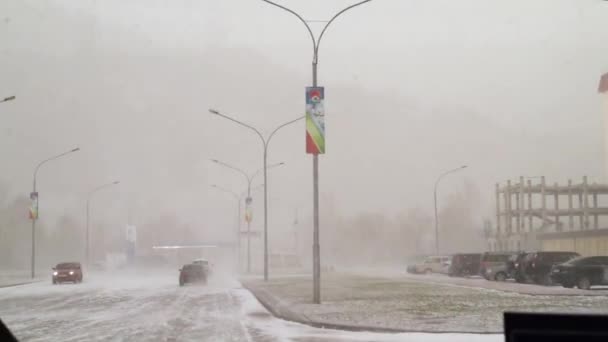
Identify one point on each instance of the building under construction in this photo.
(554, 217)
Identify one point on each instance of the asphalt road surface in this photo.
(150, 306)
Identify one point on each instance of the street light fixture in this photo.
(89, 195)
(315, 157)
(265, 142)
(249, 179)
(435, 195)
(35, 205)
(6, 99)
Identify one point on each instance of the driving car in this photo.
(537, 266)
(582, 272)
(204, 263)
(67, 272)
(192, 273)
(433, 264)
(464, 264)
(494, 265)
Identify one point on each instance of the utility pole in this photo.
(34, 209)
(316, 249)
(87, 239)
(435, 197)
(265, 142)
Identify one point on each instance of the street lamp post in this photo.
(6, 99)
(435, 195)
(238, 222)
(315, 157)
(36, 204)
(249, 179)
(90, 194)
(265, 142)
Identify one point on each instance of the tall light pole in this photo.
(6, 99)
(249, 179)
(265, 142)
(435, 195)
(237, 198)
(89, 195)
(315, 157)
(35, 207)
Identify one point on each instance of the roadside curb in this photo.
(274, 305)
(21, 283)
(281, 310)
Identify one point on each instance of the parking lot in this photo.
(506, 286)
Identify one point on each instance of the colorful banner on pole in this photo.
(315, 120)
(34, 206)
(248, 214)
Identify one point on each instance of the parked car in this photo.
(582, 272)
(536, 266)
(464, 264)
(412, 262)
(494, 265)
(192, 273)
(67, 272)
(434, 264)
(514, 266)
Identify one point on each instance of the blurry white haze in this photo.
(413, 88)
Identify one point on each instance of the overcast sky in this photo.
(508, 87)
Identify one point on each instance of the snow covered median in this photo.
(390, 304)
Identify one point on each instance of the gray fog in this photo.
(413, 88)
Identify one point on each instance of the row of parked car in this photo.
(568, 269)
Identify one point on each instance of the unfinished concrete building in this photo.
(550, 217)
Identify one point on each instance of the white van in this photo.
(434, 264)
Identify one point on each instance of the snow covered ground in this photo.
(150, 306)
(13, 277)
(417, 303)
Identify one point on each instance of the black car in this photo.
(464, 264)
(192, 273)
(514, 266)
(582, 272)
(494, 264)
(536, 266)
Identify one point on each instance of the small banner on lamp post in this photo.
(248, 214)
(315, 120)
(603, 87)
(34, 206)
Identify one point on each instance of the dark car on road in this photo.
(192, 273)
(67, 272)
(536, 267)
(582, 272)
(465, 264)
(494, 265)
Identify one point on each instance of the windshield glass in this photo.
(314, 163)
(576, 261)
(69, 265)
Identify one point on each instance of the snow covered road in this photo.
(151, 307)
